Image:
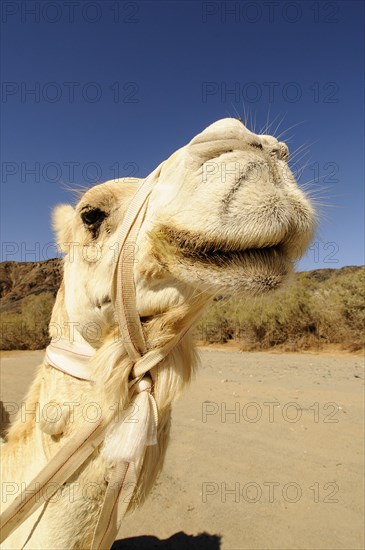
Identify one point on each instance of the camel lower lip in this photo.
(255, 271)
(193, 248)
(221, 257)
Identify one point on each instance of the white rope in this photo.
(72, 359)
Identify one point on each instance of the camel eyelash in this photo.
(92, 216)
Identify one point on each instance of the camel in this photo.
(225, 215)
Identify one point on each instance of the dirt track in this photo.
(283, 471)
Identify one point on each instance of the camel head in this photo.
(225, 215)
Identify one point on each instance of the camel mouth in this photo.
(221, 257)
(197, 248)
(220, 265)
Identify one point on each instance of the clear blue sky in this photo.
(118, 86)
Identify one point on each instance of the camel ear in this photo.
(62, 216)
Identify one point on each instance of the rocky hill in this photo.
(21, 279)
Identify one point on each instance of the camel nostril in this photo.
(275, 148)
(257, 145)
(283, 151)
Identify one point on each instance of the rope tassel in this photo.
(126, 440)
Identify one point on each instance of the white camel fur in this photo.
(225, 215)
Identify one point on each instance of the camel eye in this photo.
(93, 216)
(256, 145)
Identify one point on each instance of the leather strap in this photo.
(121, 486)
(124, 287)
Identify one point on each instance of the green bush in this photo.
(308, 314)
(28, 329)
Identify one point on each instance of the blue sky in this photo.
(94, 90)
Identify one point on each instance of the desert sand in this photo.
(266, 452)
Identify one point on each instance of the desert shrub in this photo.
(313, 311)
(29, 328)
(340, 306)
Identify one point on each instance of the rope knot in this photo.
(145, 384)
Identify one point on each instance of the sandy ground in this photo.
(284, 470)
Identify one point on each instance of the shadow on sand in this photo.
(179, 541)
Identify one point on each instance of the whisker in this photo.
(290, 128)
(268, 127)
(237, 113)
(251, 120)
(300, 151)
(267, 118)
(244, 112)
(302, 148)
(76, 189)
(278, 126)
